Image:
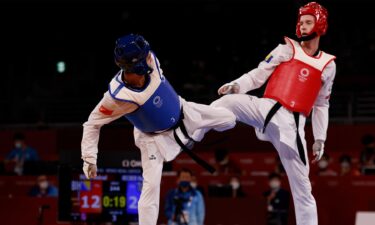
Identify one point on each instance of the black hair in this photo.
(367, 139)
(19, 136)
(345, 158)
(274, 175)
(220, 154)
(184, 170)
(326, 156)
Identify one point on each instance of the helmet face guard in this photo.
(131, 53)
(319, 12)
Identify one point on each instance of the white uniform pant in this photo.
(281, 132)
(155, 149)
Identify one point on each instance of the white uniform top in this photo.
(282, 53)
(107, 110)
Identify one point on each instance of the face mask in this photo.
(235, 185)
(18, 145)
(193, 184)
(275, 184)
(43, 184)
(323, 164)
(184, 184)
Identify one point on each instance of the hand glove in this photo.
(229, 88)
(89, 169)
(318, 150)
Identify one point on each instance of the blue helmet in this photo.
(131, 53)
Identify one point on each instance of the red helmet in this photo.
(319, 12)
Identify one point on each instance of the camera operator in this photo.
(184, 204)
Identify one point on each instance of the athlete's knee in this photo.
(144, 204)
(149, 197)
(147, 211)
(230, 119)
(306, 200)
(151, 187)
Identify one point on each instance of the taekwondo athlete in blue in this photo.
(161, 118)
(158, 103)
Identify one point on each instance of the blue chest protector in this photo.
(159, 105)
(160, 112)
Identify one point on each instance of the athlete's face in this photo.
(307, 23)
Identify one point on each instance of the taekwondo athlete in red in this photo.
(163, 121)
(300, 78)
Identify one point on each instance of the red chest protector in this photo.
(296, 83)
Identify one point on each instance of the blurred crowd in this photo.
(185, 203)
(24, 160)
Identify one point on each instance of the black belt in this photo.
(269, 116)
(180, 124)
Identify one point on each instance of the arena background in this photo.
(57, 60)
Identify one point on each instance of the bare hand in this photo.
(89, 170)
(318, 150)
(229, 88)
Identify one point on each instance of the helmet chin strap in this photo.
(308, 37)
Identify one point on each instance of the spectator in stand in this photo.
(20, 154)
(224, 164)
(277, 201)
(346, 167)
(367, 159)
(324, 168)
(43, 188)
(237, 191)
